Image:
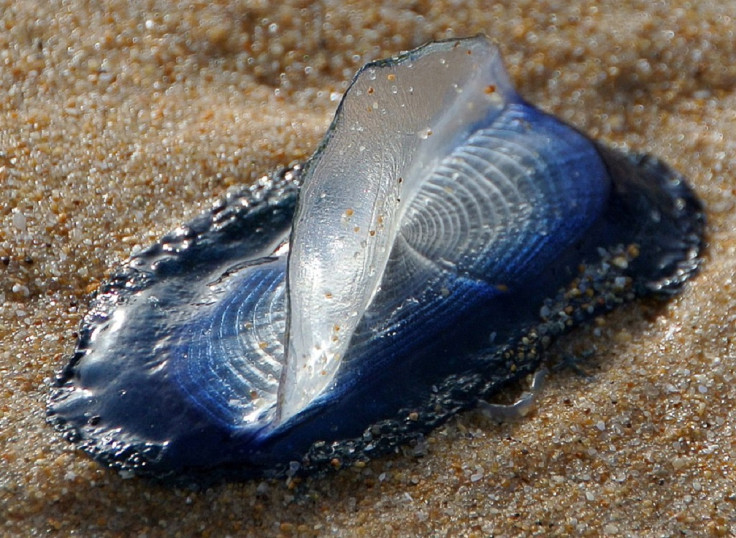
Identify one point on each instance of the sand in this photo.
(119, 122)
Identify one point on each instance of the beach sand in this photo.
(119, 122)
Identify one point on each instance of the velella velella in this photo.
(442, 235)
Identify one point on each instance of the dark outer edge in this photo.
(600, 287)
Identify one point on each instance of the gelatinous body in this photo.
(442, 235)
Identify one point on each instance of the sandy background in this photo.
(117, 123)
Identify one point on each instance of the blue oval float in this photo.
(442, 235)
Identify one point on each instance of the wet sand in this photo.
(118, 123)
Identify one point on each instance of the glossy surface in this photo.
(484, 229)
